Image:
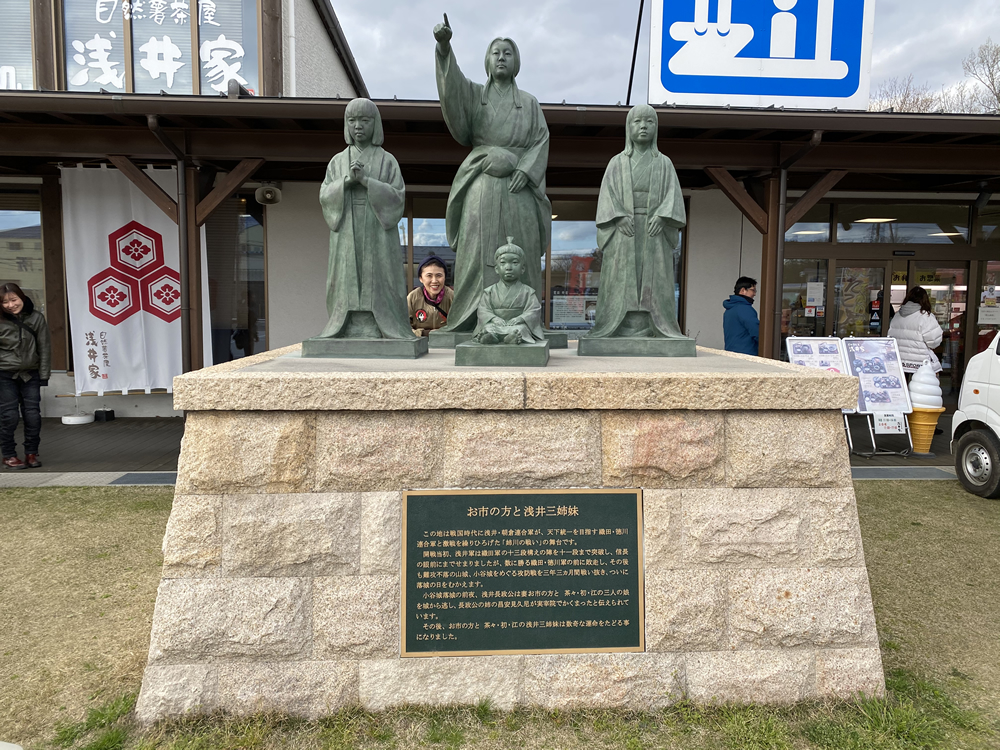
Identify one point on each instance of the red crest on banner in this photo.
(113, 296)
(137, 279)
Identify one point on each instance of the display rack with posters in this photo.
(883, 398)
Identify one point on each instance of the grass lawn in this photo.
(79, 569)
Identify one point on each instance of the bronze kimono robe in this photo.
(366, 270)
(507, 131)
(509, 302)
(637, 273)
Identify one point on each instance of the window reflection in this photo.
(813, 227)
(988, 230)
(936, 224)
(235, 257)
(21, 253)
(803, 298)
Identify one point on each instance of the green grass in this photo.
(76, 602)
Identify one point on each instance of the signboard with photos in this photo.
(876, 363)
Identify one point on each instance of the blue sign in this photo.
(812, 53)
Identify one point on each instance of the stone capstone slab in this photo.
(304, 535)
(205, 620)
(441, 681)
(641, 682)
(282, 380)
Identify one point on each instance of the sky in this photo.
(581, 50)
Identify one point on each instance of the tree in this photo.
(983, 66)
(902, 95)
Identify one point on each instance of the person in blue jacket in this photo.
(739, 321)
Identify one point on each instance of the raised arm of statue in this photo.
(459, 96)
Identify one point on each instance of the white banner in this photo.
(122, 282)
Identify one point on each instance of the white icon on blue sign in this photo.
(777, 48)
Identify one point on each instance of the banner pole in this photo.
(182, 240)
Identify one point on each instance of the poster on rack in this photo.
(122, 282)
(819, 352)
(875, 361)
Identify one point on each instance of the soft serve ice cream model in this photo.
(925, 396)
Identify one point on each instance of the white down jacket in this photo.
(916, 333)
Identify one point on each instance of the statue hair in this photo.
(632, 114)
(515, 68)
(367, 108)
(511, 248)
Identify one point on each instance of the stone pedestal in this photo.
(636, 347)
(326, 348)
(281, 574)
(502, 355)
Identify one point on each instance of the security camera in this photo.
(268, 195)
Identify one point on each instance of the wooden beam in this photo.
(812, 196)
(768, 271)
(739, 196)
(225, 189)
(55, 275)
(149, 188)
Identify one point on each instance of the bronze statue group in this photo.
(498, 221)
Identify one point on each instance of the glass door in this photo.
(803, 299)
(858, 306)
(947, 286)
(988, 322)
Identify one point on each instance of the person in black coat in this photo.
(25, 365)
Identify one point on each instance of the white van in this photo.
(976, 424)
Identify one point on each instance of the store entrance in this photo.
(858, 304)
(947, 285)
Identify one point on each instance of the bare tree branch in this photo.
(983, 66)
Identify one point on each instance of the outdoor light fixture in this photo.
(873, 221)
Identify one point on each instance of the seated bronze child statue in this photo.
(509, 311)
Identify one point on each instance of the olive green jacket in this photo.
(20, 352)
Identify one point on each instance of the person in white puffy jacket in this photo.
(916, 331)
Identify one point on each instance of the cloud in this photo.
(581, 50)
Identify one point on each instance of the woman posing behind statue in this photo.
(25, 364)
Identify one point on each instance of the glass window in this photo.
(813, 227)
(576, 265)
(988, 229)
(858, 301)
(989, 307)
(803, 298)
(235, 253)
(95, 45)
(948, 292)
(21, 250)
(936, 224)
(161, 44)
(429, 238)
(227, 33)
(16, 69)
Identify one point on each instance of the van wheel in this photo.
(977, 463)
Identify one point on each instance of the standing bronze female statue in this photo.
(500, 188)
(362, 199)
(640, 213)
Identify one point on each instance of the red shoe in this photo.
(32, 460)
(14, 463)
